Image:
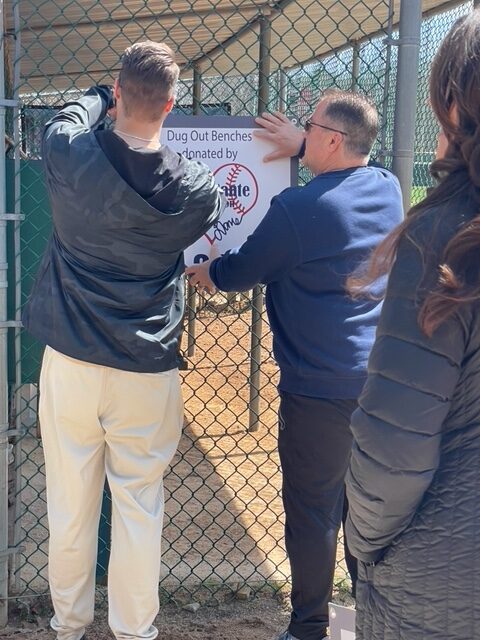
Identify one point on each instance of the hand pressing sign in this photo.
(199, 276)
(282, 133)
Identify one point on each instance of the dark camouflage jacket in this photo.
(109, 289)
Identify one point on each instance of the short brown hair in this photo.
(357, 115)
(147, 78)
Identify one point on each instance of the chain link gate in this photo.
(224, 520)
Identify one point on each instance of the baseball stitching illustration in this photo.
(241, 190)
(239, 185)
(231, 180)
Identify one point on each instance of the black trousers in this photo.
(314, 445)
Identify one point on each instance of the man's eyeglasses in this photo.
(309, 124)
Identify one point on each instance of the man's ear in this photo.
(116, 89)
(169, 105)
(335, 141)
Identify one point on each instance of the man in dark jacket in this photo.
(310, 240)
(108, 303)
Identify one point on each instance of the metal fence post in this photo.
(191, 291)
(386, 87)
(4, 447)
(282, 91)
(257, 294)
(20, 417)
(406, 95)
(355, 64)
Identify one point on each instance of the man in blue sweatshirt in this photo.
(309, 241)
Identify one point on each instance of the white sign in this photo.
(235, 156)
(342, 622)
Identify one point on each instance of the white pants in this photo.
(95, 421)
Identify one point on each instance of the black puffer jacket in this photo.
(414, 480)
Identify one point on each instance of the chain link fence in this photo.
(434, 28)
(224, 517)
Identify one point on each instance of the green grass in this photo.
(418, 194)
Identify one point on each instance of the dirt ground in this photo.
(258, 619)
(261, 617)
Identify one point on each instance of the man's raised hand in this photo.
(278, 130)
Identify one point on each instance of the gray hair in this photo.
(355, 114)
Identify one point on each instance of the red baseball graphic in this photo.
(241, 190)
(239, 185)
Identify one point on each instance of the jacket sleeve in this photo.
(397, 428)
(267, 255)
(202, 202)
(75, 118)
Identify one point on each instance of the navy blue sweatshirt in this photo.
(309, 241)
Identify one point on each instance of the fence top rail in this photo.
(217, 35)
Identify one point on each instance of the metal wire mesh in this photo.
(434, 29)
(224, 518)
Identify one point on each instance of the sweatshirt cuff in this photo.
(212, 273)
(301, 151)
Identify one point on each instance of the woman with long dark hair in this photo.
(414, 479)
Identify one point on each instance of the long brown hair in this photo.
(455, 100)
